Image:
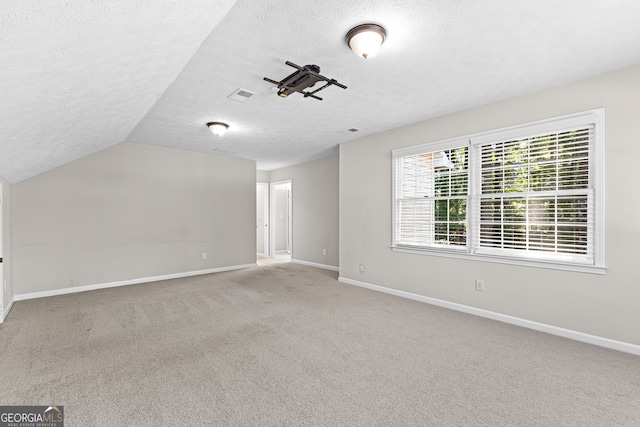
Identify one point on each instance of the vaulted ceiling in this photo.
(80, 76)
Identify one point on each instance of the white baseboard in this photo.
(541, 327)
(5, 310)
(314, 264)
(85, 288)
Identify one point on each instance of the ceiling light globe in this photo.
(218, 128)
(365, 40)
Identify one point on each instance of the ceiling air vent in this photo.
(354, 130)
(241, 95)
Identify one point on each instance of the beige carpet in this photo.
(287, 345)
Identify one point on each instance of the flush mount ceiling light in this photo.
(218, 128)
(365, 40)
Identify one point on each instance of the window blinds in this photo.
(431, 198)
(535, 194)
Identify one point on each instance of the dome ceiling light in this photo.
(365, 40)
(218, 128)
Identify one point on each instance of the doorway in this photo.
(281, 220)
(262, 219)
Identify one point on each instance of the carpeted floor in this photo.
(287, 345)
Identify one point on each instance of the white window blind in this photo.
(527, 194)
(535, 196)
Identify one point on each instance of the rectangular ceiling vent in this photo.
(241, 95)
(354, 130)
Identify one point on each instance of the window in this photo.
(528, 195)
(432, 189)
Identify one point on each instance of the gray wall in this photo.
(602, 305)
(314, 191)
(132, 211)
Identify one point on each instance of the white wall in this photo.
(281, 221)
(261, 216)
(7, 253)
(132, 211)
(602, 305)
(315, 209)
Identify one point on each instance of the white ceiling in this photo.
(80, 76)
(76, 76)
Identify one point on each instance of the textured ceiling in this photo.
(85, 75)
(78, 75)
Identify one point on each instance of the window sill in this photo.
(461, 254)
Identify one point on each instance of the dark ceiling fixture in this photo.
(302, 79)
(365, 40)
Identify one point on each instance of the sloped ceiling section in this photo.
(440, 56)
(78, 75)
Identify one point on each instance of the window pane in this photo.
(491, 210)
(543, 177)
(514, 210)
(457, 210)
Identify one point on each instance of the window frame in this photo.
(474, 141)
(410, 151)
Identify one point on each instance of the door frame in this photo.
(265, 220)
(272, 215)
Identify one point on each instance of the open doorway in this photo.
(262, 219)
(281, 220)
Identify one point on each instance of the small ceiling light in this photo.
(365, 40)
(218, 128)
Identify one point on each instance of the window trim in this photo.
(474, 141)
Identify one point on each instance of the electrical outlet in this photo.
(204, 255)
(324, 252)
(361, 268)
(479, 285)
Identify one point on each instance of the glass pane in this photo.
(542, 238)
(458, 234)
(516, 179)
(514, 210)
(491, 235)
(442, 210)
(457, 209)
(492, 181)
(541, 210)
(572, 209)
(572, 240)
(515, 236)
(543, 177)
